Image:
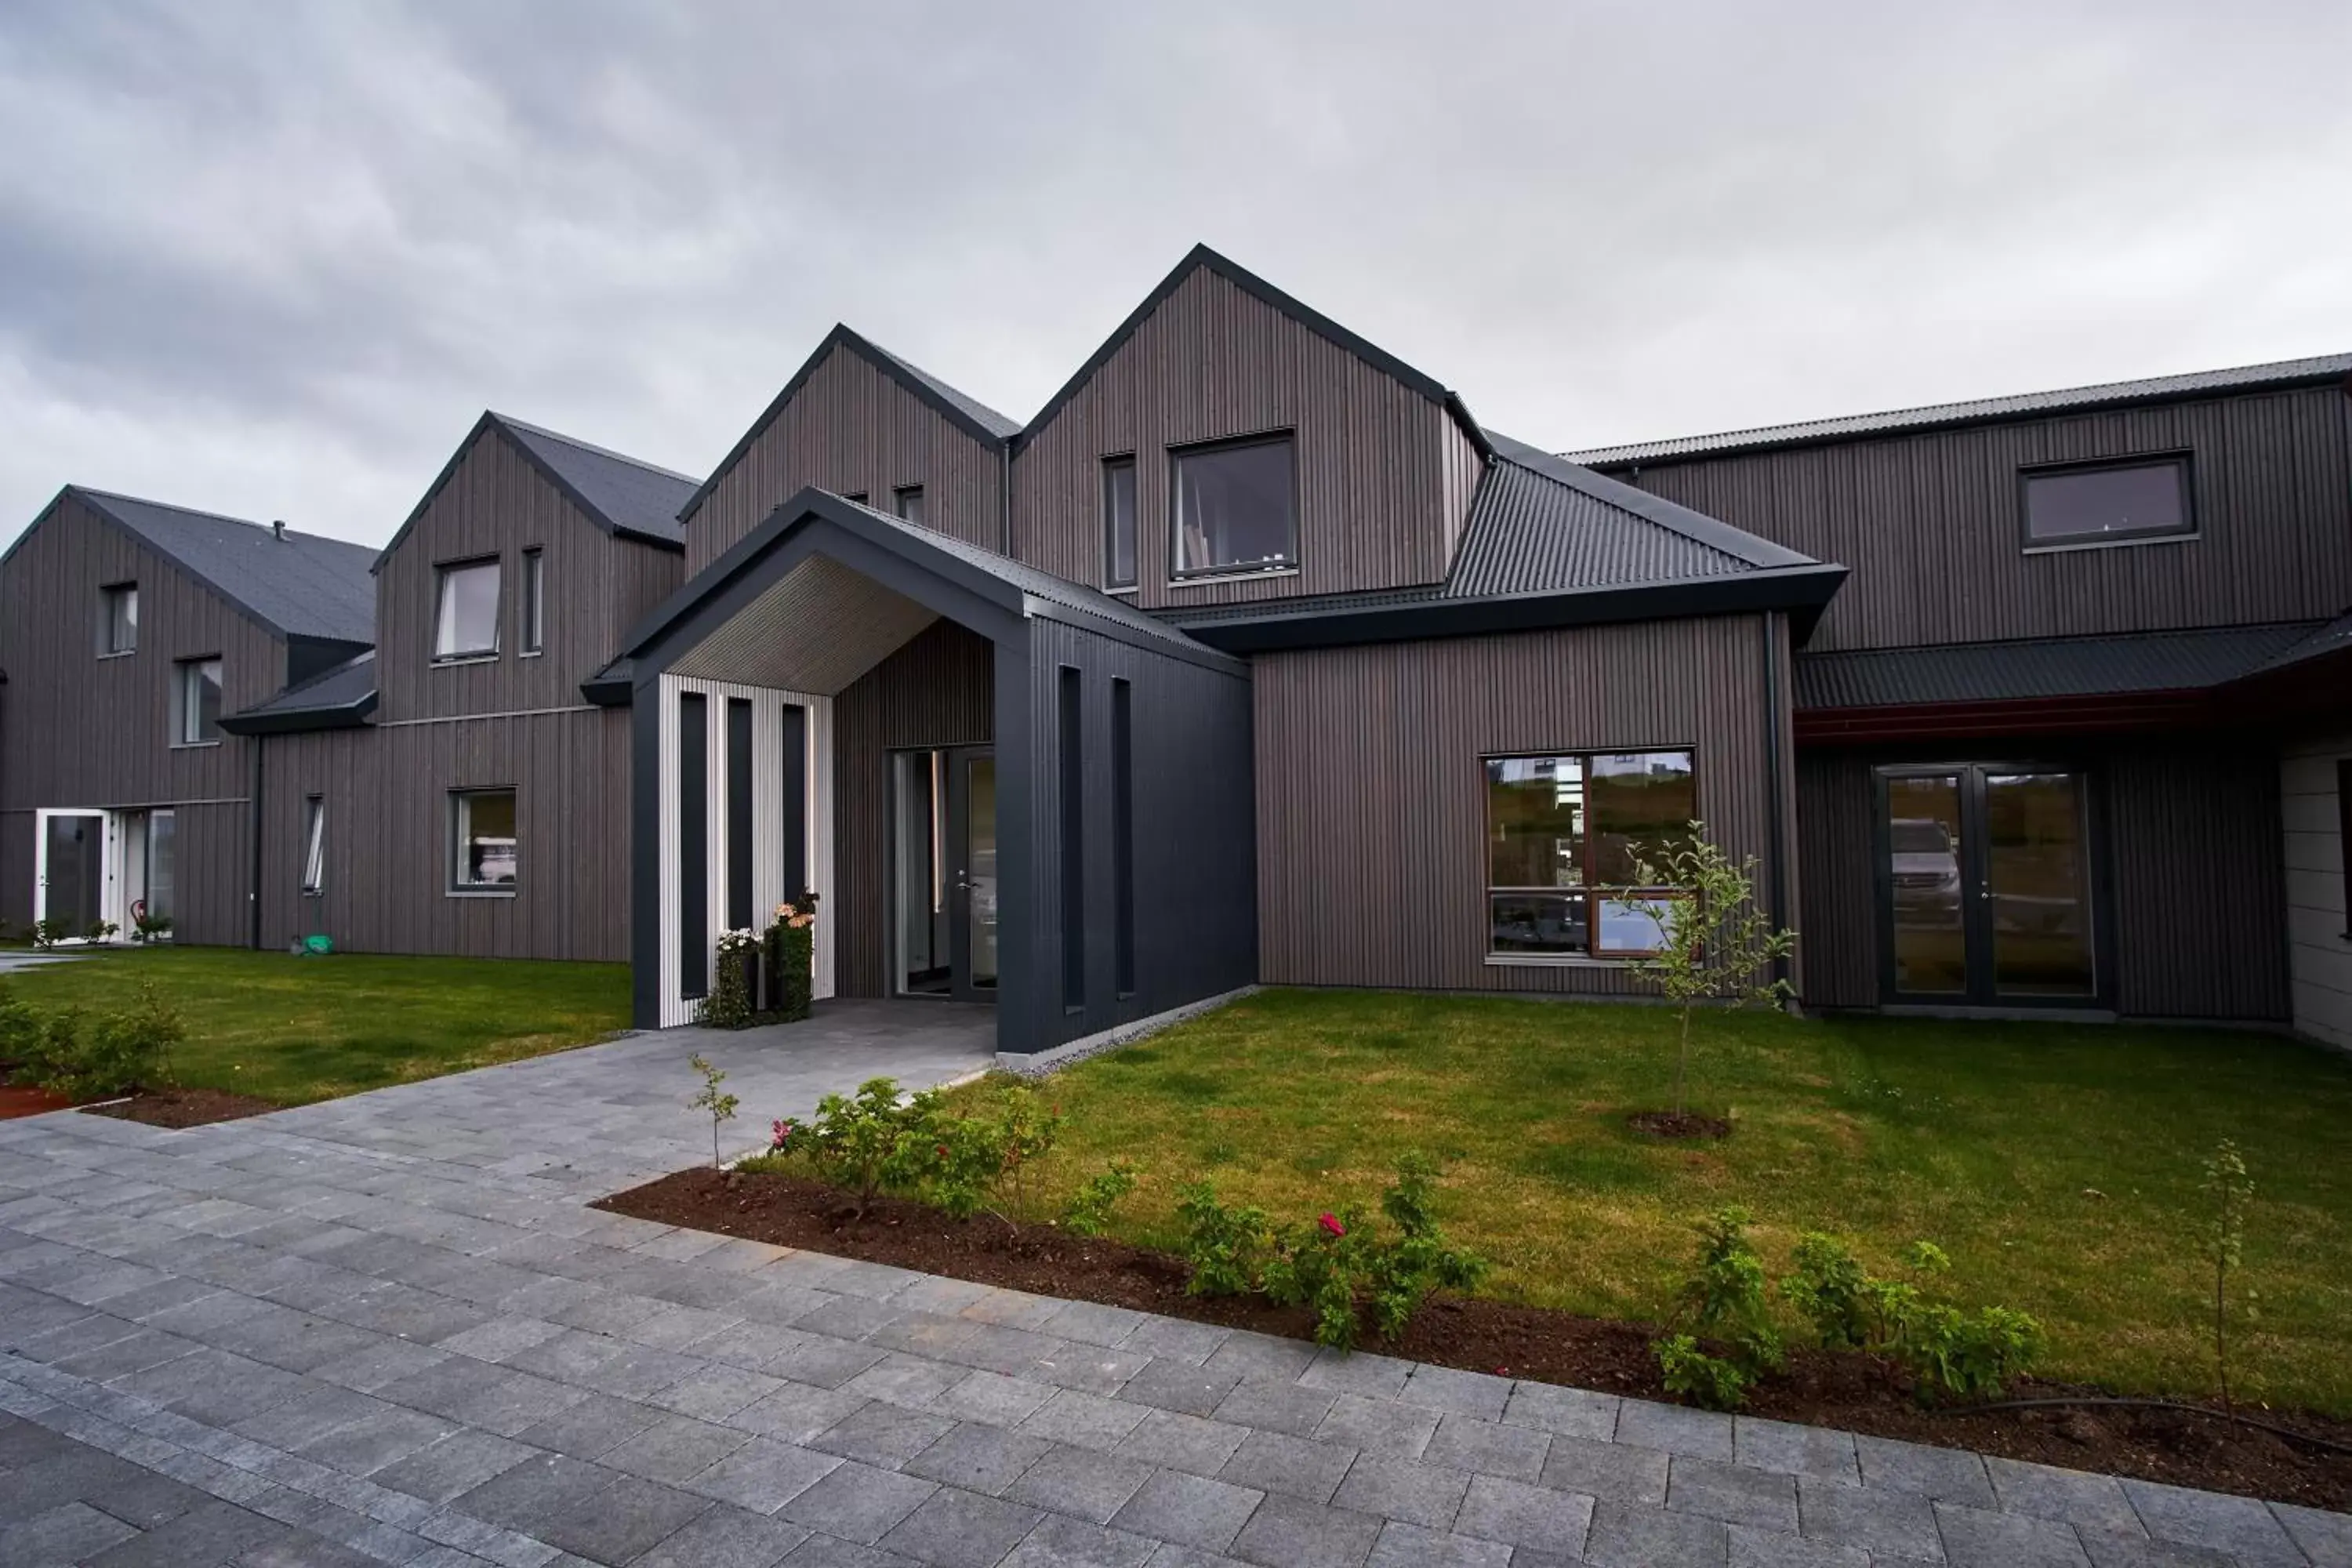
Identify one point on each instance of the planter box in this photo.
(791, 978)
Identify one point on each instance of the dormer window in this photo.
(467, 626)
(2108, 503)
(1236, 506)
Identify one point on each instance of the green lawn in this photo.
(294, 1030)
(2058, 1165)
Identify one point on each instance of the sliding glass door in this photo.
(1987, 886)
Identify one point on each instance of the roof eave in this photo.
(353, 715)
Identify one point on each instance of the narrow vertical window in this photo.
(1122, 829)
(118, 626)
(1119, 522)
(795, 782)
(693, 846)
(909, 502)
(738, 813)
(314, 843)
(1074, 839)
(196, 702)
(534, 599)
(163, 838)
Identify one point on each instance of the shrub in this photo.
(1711, 1382)
(1970, 1355)
(49, 932)
(1227, 1247)
(1947, 1350)
(859, 1143)
(1088, 1210)
(145, 927)
(91, 1057)
(1831, 1289)
(1724, 1301)
(99, 930)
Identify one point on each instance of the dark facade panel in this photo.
(1930, 523)
(1371, 789)
(497, 502)
(851, 429)
(1836, 807)
(937, 691)
(1384, 480)
(387, 802)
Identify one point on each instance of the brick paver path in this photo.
(385, 1330)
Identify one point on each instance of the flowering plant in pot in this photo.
(790, 945)
(728, 1006)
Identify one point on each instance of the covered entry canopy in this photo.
(1125, 877)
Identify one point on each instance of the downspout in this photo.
(253, 889)
(1778, 881)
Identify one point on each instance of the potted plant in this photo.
(792, 957)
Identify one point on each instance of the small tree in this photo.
(1719, 946)
(2232, 1193)
(721, 1104)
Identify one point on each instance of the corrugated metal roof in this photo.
(630, 497)
(345, 684)
(2335, 637)
(2070, 400)
(2057, 666)
(300, 584)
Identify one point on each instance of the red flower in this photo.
(1331, 1224)
(943, 1151)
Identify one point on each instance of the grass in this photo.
(293, 1030)
(2059, 1164)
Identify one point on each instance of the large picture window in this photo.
(467, 623)
(2112, 503)
(1568, 838)
(482, 855)
(196, 702)
(1236, 508)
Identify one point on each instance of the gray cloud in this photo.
(274, 259)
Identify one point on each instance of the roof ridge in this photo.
(268, 528)
(939, 384)
(575, 441)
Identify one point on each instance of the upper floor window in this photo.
(1236, 506)
(909, 502)
(2112, 502)
(1119, 522)
(195, 701)
(118, 620)
(534, 599)
(467, 626)
(1570, 841)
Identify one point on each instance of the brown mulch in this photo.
(183, 1107)
(24, 1099)
(1678, 1124)
(1845, 1389)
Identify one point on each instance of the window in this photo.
(483, 834)
(1566, 840)
(1119, 522)
(196, 702)
(1072, 742)
(534, 599)
(2112, 503)
(1123, 831)
(314, 843)
(468, 624)
(909, 503)
(1236, 508)
(118, 630)
(163, 838)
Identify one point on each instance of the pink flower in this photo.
(1331, 1224)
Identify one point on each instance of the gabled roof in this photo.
(340, 697)
(295, 584)
(2282, 373)
(1201, 258)
(625, 497)
(2041, 668)
(1548, 543)
(975, 419)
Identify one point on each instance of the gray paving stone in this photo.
(1173, 1338)
(213, 1532)
(1188, 1510)
(1795, 1450)
(922, 1333)
(848, 1317)
(1079, 1482)
(308, 1416)
(1285, 1532)
(1357, 1371)
(858, 1502)
(1063, 1542)
(954, 1529)
(992, 1397)
(1573, 1412)
(1884, 1524)
(1734, 1494)
(1753, 1548)
(457, 1464)
(2133, 1549)
(763, 1475)
(824, 1552)
(622, 1519)
(2326, 1538)
(725, 1538)
(1095, 1368)
(716, 1392)
(2095, 1502)
(1462, 1393)
(1701, 1434)
(1084, 1420)
(1615, 1470)
(2241, 1527)
(213, 1386)
(673, 1449)
(66, 1533)
(1979, 1538)
(1488, 1448)
(978, 1459)
(1194, 1443)
(1166, 1384)
(1381, 1426)
(1088, 1322)
(797, 1412)
(826, 1363)
(367, 1444)
(1425, 1495)
(591, 1428)
(1277, 1406)
(881, 1435)
(1403, 1545)
(1280, 1465)
(1262, 1357)
(1629, 1537)
(500, 1338)
(910, 1381)
(1497, 1508)
(1952, 1475)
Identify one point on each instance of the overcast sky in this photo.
(273, 259)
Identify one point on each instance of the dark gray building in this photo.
(1255, 656)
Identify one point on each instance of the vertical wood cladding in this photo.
(853, 429)
(1836, 808)
(1381, 478)
(1929, 523)
(388, 845)
(1372, 796)
(495, 503)
(79, 730)
(937, 691)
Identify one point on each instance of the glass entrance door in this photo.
(1986, 886)
(73, 869)
(973, 784)
(943, 872)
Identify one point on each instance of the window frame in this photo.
(456, 814)
(1178, 576)
(182, 671)
(314, 844)
(900, 495)
(109, 595)
(442, 570)
(1113, 465)
(1594, 891)
(531, 604)
(2181, 460)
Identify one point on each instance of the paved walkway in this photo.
(385, 1330)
